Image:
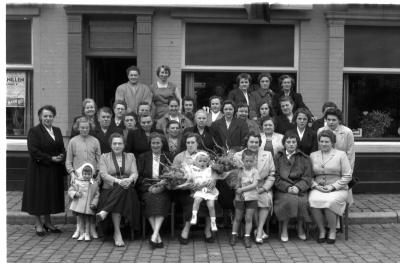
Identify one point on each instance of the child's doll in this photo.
(84, 192)
(200, 175)
(246, 198)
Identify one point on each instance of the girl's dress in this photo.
(200, 177)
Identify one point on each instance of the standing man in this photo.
(103, 131)
(133, 92)
(119, 108)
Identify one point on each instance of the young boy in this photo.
(246, 197)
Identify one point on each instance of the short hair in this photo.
(195, 135)
(230, 102)
(173, 99)
(271, 110)
(329, 134)
(143, 103)
(304, 111)
(154, 135)
(264, 75)
(255, 135)
(335, 112)
(286, 98)
(243, 76)
(80, 120)
(121, 102)
(165, 68)
(200, 111)
(268, 118)
(115, 135)
(86, 101)
(144, 116)
(243, 105)
(247, 152)
(50, 108)
(291, 135)
(328, 104)
(131, 113)
(132, 68)
(187, 98)
(281, 78)
(169, 123)
(104, 109)
(214, 97)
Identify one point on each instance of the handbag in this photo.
(353, 182)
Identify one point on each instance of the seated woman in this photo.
(293, 179)
(157, 202)
(118, 196)
(330, 191)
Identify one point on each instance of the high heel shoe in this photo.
(54, 230)
(153, 245)
(39, 233)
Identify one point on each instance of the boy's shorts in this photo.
(253, 204)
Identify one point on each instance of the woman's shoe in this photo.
(210, 239)
(321, 240)
(284, 238)
(52, 230)
(247, 242)
(160, 244)
(259, 241)
(153, 245)
(330, 240)
(302, 237)
(264, 236)
(183, 241)
(233, 239)
(39, 233)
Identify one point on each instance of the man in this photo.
(133, 92)
(119, 108)
(103, 131)
(243, 114)
(144, 108)
(188, 107)
(321, 122)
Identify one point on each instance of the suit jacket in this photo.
(137, 142)
(234, 137)
(318, 124)
(121, 124)
(237, 96)
(103, 137)
(309, 142)
(283, 125)
(145, 169)
(296, 97)
(209, 118)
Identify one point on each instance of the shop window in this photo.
(239, 45)
(18, 39)
(373, 104)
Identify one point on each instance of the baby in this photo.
(84, 192)
(200, 174)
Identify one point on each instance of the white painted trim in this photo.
(238, 68)
(296, 46)
(19, 145)
(291, 7)
(377, 147)
(371, 70)
(183, 49)
(19, 66)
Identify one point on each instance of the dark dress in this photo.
(237, 96)
(283, 124)
(137, 141)
(296, 97)
(44, 182)
(207, 139)
(319, 123)
(294, 172)
(154, 204)
(234, 137)
(309, 142)
(104, 137)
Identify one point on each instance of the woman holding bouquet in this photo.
(155, 197)
(183, 197)
(266, 169)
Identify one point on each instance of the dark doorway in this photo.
(104, 76)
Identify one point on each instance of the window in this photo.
(19, 59)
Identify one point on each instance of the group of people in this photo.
(288, 163)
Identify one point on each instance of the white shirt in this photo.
(174, 119)
(214, 116)
(161, 85)
(51, 133)
(156, 165)
(246, 95)
(228, 123)
(300, 133)
(288, 155)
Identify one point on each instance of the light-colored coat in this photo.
(209, 118)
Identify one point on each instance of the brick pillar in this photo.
(336, 60)
(144, 47)
(75, 77)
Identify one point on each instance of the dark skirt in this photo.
(44, 189)
(226, 195)
(121, 201)
(156, 204)
(287, 206)
(184, 201)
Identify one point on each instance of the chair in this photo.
(172, 219)
(345, 218)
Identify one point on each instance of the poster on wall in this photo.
(16, 89)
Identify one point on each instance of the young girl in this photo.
(246, 197)
(84, 192)
(200, 174)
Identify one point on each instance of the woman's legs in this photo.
(158, 220)
(38, 224)
(319, 220)
(47, 222)
(185, 230)
(331, 217)
(284, 230)
(300, 229)
(262, 217)
(116, 219)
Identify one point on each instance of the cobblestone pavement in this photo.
(362, 202)
(367, 243)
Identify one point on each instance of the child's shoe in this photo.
(194, 219)
(81, 237)
(76, 234)
(214, 227)
(87, 237)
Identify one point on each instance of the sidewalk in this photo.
(367, 209)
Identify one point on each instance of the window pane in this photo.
(240, 45)
(374, 47)
(18, 38)
(15, 121)
(369, 93)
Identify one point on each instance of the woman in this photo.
(82, 149)
(214, 112)
(228, 131)
(270, 140)
(308, 137)
(44, 184)
(344, 135)
(293, 180)
(173, 114)
(89, 110)
(242, 95)
(243, 114)
(183, 197)
(287, 85)
(163, 91)
(174, 138)
(137, 141)
(266, 169)
(330, 191)
(264, 94)
(284, 122)
(118, 196)
(156, 203)
(265, 110)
